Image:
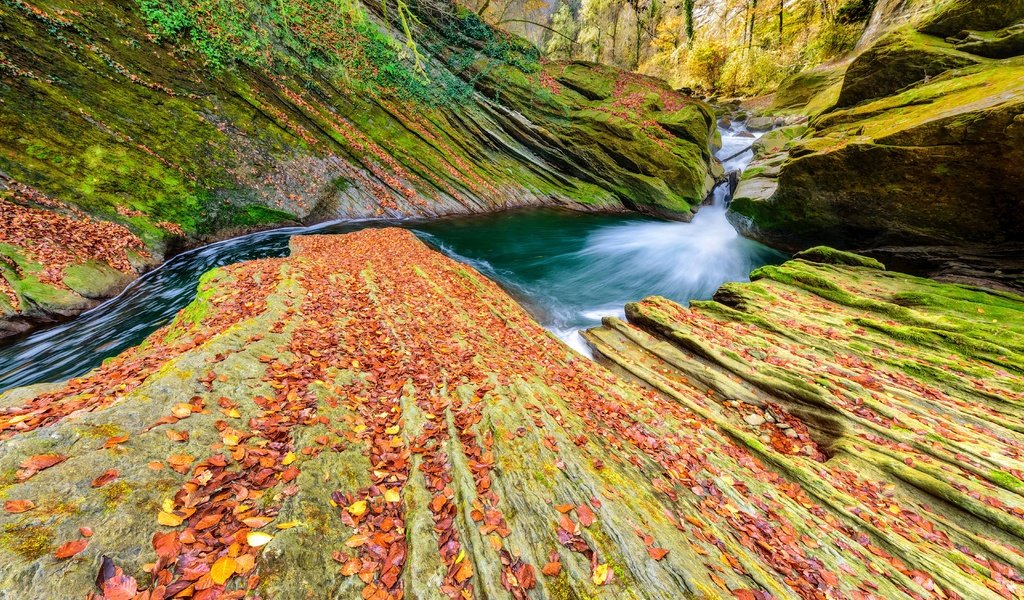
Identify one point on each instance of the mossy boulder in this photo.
(182, 122)
(1002, 43)
(897, 60)
(808, 92)
(917, 167)
(950, 17)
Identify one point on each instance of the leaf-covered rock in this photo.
(370, 418)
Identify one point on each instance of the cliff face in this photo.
(369, 418)
(180, 120)
(915, 145)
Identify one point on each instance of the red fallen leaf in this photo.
(177, 436)
(208, 521)
(552, 569)
(657, 553)
(744, 594)
(166, 545)
(85, 531)
(585, 515)
(69, 549)
(115, 440)
(527, 577)
(33, 464)
(107, 476)
(18, 506)
(120, 586)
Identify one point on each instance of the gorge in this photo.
(327, 299)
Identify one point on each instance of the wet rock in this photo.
(760, 123)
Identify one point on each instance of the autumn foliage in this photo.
(369, 418)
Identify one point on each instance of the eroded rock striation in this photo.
(369, 418)
(181, 120)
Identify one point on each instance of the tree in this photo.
(688, 13)
(565, 28)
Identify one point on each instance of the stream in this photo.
(568, 269)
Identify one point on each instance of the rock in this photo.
(178, 141)
(809, 92)
(860, 177)
(776, 140)
(725, 122)
(745, 134)
(951, 362)
(897, 60)
(1004, 43)
(953, 16)
(754, 420)
(760, 123)
(290, 415)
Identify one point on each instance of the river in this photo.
(567, 268)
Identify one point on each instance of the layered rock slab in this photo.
(893, 401)
(370, 418)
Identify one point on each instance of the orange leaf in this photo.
(657, 553)
(107, 476)
(71, 548)
(585, 515)
(552, 569)
(18, 506)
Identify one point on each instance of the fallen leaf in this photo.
(18, 506)
(657, 553)
(357, 509)
(257, 538)
(69, 549)
(601, 574)
(107, 476)
(223, 569)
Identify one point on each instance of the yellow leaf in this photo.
(600, 576)
(356, 540)
(257, 538)
(288, 459)
(393, 430)
(167, 519)
(230, 439)
(231, 413)
(392, 495)
(357, 509)
(461, 557)
(223, 569)
(288, 524)
(359, 428)
(167, 505)
(181, 410)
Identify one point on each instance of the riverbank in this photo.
(371, 400)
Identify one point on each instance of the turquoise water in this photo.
(569, 269)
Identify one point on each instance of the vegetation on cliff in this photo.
(183, 120)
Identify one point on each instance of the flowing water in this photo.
(569, 269)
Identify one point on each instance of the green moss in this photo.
(115, 493)
(255, 215)
(831, 256)
(30, 542)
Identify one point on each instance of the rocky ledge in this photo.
(914, 142)
(370, 418)
(176, 122)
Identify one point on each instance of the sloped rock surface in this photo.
(893, 401)
(184, 120)
(369, 418)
